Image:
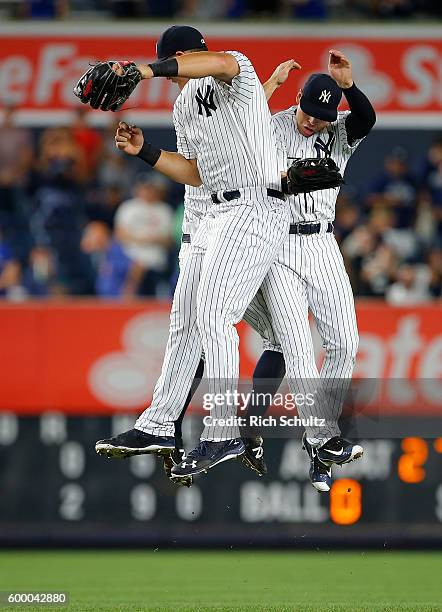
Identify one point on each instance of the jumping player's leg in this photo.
(179, 422)
(183, 354)
(169, 461)
(267, 377)
(331, 302)
(154, 429)
(244, 241)
(270, 369)
(285, 294)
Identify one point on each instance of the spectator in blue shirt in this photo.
(116, 274)
(9, 271)
(431, 182)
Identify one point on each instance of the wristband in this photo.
(165, 68)
(149, 154)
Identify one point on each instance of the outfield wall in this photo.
(75, 372)
(92, 357)
(398, 67)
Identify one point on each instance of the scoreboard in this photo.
(55, 489)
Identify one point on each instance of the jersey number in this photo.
(205, 101)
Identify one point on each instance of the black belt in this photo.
(234, 195)
(308, 228)
(295, 228)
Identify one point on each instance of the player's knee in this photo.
(352, 344)
(180, 321)
(345, 344)
(213, 324)
(207, 322)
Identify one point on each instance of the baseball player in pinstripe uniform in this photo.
(309, 273)
(225, 141)
(349, 128)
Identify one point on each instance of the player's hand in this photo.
(118, 69)
(129, 138)
(339, 68)
(281, 73)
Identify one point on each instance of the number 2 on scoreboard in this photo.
(410, 465)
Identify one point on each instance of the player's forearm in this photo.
(173, 165)
(179, 169)
(362, 114)
(270, 87)
(197, 65)
(279, 76)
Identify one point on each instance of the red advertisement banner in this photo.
(401, 73)
(92, 357)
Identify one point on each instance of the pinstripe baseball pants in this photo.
(310, 274)
(243, 242)
(184, 347)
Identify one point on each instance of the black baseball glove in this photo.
(312, 174)
(103, 88)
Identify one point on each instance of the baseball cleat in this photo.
(253, 456)
(134, 442)
(339, 451)
(169, 461)
(319, 473)
(208, 454)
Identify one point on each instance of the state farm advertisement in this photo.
(100, 358)
(400, 74)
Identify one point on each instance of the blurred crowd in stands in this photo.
(223, 9)
(78, 217)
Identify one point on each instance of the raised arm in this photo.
(362, 115)
(222, 66)
(279, 76)
(175, 166)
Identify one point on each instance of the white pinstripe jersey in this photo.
(197, 198)
(197, 202)
(330, 142)
(227, 128)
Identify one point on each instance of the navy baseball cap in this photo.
(320, 97)
(179, 38)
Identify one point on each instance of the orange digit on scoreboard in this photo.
(410, 465)
(345, 501)
(438, 445)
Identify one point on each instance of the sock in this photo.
(178, 423)
(267, 377)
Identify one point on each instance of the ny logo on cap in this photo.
(325, 96)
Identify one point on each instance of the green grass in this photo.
(229, 580)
